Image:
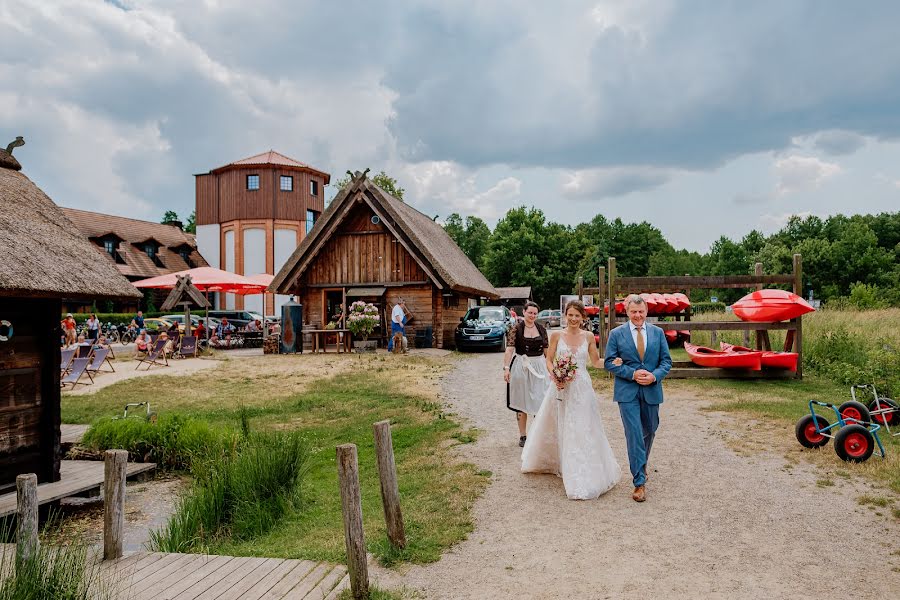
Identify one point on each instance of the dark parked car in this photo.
(483, 327)
(550, 318)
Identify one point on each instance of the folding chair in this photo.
(84, 351)
(156, 356)
(65, 360)
(79, 368)
(101, 355)
(188, 347)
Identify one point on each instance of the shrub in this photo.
(362, 319)
(851, 358)
(708, 307)
(865, 296)
(242, 495)
(173, 442)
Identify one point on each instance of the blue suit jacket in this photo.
(656, 360)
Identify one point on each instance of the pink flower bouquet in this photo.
(564, 369)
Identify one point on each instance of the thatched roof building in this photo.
(370, 245)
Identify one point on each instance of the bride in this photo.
(567, 436)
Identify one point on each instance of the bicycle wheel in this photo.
(112, 336)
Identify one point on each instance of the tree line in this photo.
(851, 260)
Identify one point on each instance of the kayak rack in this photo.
(612, 287)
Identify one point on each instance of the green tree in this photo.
(170, 217)
(381, 179)
(472, 237)
(191, 225)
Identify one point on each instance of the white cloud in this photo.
(444, 187)
(770, 223)
(802, 173)
(606, 183)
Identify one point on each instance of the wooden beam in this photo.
(367, 284)
(665, 284)
(713, 373)
(611, 320)
(601, 298)
(724, 325)
(798, 338)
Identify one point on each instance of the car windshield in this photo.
(485, 313)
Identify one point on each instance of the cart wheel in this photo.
(807, 434)
(854, 410)
(889, 417)
(854, 443)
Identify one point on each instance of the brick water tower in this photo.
(252, 214)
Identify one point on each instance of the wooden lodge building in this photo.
(371, 246)
(43, 259)
(138, 250)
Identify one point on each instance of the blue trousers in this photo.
(641, 420)
(395, 327)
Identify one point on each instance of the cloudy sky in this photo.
(704, 118)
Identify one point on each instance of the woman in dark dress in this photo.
(525, 368)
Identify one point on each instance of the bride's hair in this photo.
(577, 305)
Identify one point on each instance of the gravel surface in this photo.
(716, 524)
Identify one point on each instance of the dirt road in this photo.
(716, 524)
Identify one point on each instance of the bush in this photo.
(241, 496)
(707, 307)
(850, 358)
(864, 296)
(173, 442)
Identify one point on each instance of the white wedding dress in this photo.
(567, 437)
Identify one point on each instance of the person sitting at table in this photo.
(223, 331)
(254, 326)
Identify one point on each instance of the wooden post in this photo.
(762, 336)
(580, 286)
(187, 318)
(612, 296)
(115, 462)
(390, 491)
(747, 338)
(714, 339)
(601, 296)
(351, 506)
(27, 544)
(798, 337)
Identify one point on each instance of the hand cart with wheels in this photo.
(882, 410)
(854, 440)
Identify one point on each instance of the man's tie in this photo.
(640, 343)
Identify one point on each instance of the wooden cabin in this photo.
(371, 246)
(515, 298)
(44, 258)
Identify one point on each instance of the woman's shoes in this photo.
(522, 441)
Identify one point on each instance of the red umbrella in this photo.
(263, 279)
(206, 279)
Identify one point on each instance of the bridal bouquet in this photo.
(564, 368)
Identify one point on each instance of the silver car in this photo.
(550, 317)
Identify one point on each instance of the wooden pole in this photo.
(601, 296)
(115, 462)
(351, 506)
(798, 337)
(612, 297)
(27, 544)
(390, 490)
(580, 286)
(762, 337)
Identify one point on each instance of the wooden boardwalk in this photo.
(72, 434)
(77, 477)
(162, 576)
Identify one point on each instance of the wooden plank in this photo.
(675, 284)
(298, 579)
(713, 373)
(340, 587)
(200, 574)
(722, 325)
(306, 585)
(163, 576)
(327, 584)
(79, 477)
(289, 571)
(236, 566)
(72, 434)
(240, 579)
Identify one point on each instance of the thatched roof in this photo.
(41, 253)
(132, 235)
(435, 249)
(514, 293)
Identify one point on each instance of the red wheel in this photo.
(855, 411)
(806, 431)
(854, 443)
(890, 414)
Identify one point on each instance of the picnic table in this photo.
(322, 337)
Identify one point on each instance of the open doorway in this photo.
(333, 307)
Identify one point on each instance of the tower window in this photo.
(110, 246)
(313, 187)
(310, 220)
(287, 183)
(252, 182)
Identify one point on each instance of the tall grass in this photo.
(240, 496)
(69, 572)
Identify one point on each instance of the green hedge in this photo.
(116, 318)
(708, 307)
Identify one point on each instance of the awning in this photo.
(365, 292)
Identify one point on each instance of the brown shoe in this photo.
(639, 495)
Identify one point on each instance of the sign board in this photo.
(713, 298)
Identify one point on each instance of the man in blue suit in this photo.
(644, 362)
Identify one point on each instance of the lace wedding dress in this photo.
(567, 437)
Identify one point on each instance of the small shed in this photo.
(43, 259)
(371, 246)
(515, 297)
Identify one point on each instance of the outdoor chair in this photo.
(84, 351)
(155, 356)
(101, 355)
(78, 369)
(188, 347)
(65, 360)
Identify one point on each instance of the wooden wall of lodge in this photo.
(29, 391)
(224, 196)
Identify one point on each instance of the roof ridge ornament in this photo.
(19, 141)
(356, 176)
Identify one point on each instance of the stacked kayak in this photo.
(658, 304)
(724, 359)
(770, 305)
(769, 359)
(673, 337)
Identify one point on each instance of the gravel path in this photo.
(716, 524)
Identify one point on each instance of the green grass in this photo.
(330, 401)
(375, 593)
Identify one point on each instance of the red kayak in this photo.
(620, 307)
(671, 335)
(672, 303)
(770, 305)
(683, 301)
(651, 303)
(592, 311)
(662, 307)
(707, 357)
(770, 359)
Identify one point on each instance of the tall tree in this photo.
(191, 225)
(170, 217)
